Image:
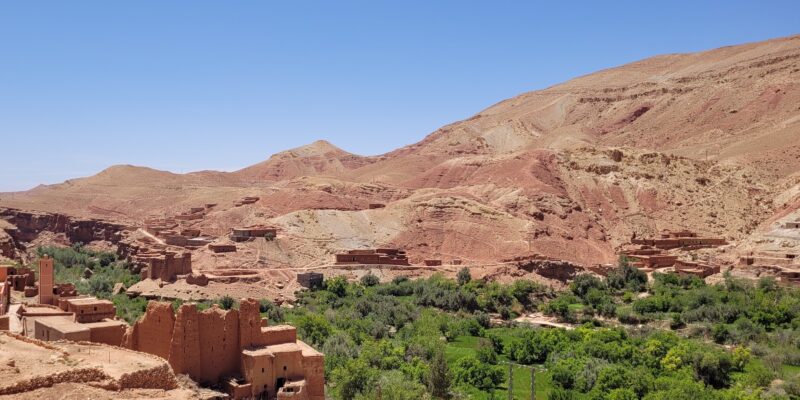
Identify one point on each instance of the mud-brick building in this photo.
(373, 256)
(234, 348)
(77, 319)
(252, 232)
(164, 265)
(311, 280)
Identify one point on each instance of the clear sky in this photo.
(191, 85)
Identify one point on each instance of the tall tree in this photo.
(439, 378)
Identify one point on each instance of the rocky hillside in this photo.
(707, 141)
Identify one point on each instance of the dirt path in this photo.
(150, 235)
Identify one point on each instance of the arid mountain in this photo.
(707, 141)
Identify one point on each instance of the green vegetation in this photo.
(433, 336)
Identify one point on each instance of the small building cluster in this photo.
(685, 240)
(236, 349)
(373, 256)
(649, 255)
(178, 231)
(783, 265)
(63, 314)
(21, 279)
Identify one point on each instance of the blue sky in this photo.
(191, 85)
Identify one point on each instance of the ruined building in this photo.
(246, 200)
(251, 232)
(233, 347)
(783, 265)
(311, 280)
(679, 239)
(649, 255)
(156, 263)
(373, 256)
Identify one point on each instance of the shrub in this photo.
(314, 328)
(370, 280)
(583, 283)
(463, 276)
(471, 371)
(485, 352)
(337, 285)
(627, 277)
(226, 302)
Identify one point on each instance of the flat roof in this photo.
(62, 324)
(273, 349)
(308, 351)
(88, 301)
(278, 328)
(105, 323)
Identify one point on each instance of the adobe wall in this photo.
(110, 332)
(258, 367)
(91, 309)
(273, 335)
(151, 333)
(219, 331)
(45, 330)
(287, 363)
(213, 334)
(222, 248)
(314, 372)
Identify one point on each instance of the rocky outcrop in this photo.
(8, 246)
(27, 225)
(553, 269)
